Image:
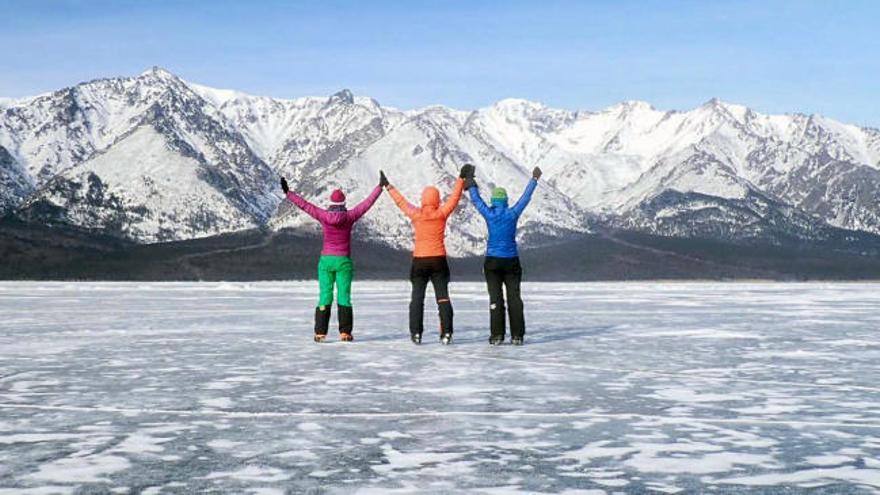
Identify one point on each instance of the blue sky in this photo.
(775, 56)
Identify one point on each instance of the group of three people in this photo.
(501, 266)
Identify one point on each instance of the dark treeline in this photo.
(38, 252)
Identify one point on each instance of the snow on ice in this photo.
(622, 387)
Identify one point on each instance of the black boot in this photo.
(446, 338)
(322, 322)
(346, 322)
(496, 340)
(497, 321)
(416, 338)
(516, 340)
(444, 311)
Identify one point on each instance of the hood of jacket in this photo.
(336, 220)
(430, 197)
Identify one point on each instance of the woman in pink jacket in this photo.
(335, 265)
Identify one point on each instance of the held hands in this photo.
(284, 185)
(383, 181)
(536, 173)
(467, 173)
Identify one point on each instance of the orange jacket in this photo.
(429, 221)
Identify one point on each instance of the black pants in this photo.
(506, 273)
(435, 269)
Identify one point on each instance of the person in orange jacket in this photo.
(429, 256)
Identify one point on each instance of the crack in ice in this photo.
(428, 414)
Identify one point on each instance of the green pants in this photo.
(335, 270)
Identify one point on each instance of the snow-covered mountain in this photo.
(144, 157)
(157, 158)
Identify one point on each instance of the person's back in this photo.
(501, 222)
(429, 255)
(502, 219)
(336, 221)
(501, 267)
(335, 267)
(337, 224)
(429, 220)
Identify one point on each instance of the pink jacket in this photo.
(337, 224)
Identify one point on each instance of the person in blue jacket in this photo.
(501, 266)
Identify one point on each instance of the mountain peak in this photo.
(716, 105)
(716, 102)
(517, 103)
(344, 96)
(158, 75)
(436, 108)
(632, 105)
(157, 71)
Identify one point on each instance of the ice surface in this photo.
(621, 388)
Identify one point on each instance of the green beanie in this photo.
(499, 193)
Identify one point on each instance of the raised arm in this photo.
(312, 210)
(477, 201)
(449, 206)
(364, 206)
(405, 206)
(525, 198)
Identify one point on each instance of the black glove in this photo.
(467, 171)
(536, 173)
(284, 185)
(469, 182)
(383, 181)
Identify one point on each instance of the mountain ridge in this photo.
(213, 163)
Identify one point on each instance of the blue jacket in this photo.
(502, 220)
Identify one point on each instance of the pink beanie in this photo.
(337, 197)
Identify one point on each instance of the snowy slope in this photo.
(92, 133)
(15, 183)
(613, 160)
(160, 194)
(605, 164)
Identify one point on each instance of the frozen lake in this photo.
(622, 387)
